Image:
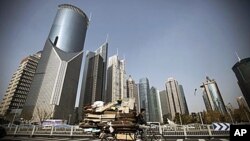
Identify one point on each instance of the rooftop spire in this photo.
(237, 56)
(107, 37)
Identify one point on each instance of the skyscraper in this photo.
(132, 92)
(94, 77)
(53, 91)
(176, 98)
(165, 109)
(212, 96)
(144, 92)
(19, 86)
(184, 100)
(116, 79)
(154, 110)
(131, 88)
(242, 72)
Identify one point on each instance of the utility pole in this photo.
(200, 118)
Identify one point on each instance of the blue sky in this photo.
(183, 39)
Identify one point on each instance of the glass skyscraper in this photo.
(154, 105)
(165, 109)
(144, 92)
(242, 72)
(94, 77)
(54, 88)
(212, 96)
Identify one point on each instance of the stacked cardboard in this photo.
(123, 111)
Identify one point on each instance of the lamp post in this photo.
(229, 112)
(180, 118)
(69, 118)
(200, 118)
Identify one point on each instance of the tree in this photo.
(186, 119)
(165, 118)
(212, 116)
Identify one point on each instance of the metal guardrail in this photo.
(166, 131)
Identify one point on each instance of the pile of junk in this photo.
(115, 119)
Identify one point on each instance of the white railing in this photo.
(166, 131)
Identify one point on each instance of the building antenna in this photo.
(237, 56)
(90, 16)
(117, 51)
(107, 37)
(124, 57)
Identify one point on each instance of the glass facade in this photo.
(94, 78)
(242, 72)
(212, 97)
(69, 28)
(54, 88)
(154, 110)
(144, 93)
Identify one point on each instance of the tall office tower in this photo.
(131, 88)
(116, 79)
(212, 96)
(184, 100)
(164, 102)
(175, 97)
(94, 77)
(154, 105)
(242, 72)
(242, 103)
(19, 86)
(137, 99)
(132, 92)
(144, 92)
(53, 91)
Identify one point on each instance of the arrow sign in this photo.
(221, 126)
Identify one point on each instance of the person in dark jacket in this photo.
(140, 117)
(142, 123)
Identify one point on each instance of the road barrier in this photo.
(166, 131)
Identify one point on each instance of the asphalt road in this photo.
(9, 138)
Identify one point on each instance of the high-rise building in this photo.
(144, 92)
(131, 88)
(242, 72)
(132, 92)
(184, 100)
(212, 96)
(176, 98)
(165, 109)
(94, 77)
(242, 103)
(19, 86)
(153, 102)
(53, 91)
(116, 79)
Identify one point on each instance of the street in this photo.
(10, 138)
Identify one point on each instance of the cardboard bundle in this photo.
(121, 115)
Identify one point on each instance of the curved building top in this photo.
(69, 28)
(243, 61)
